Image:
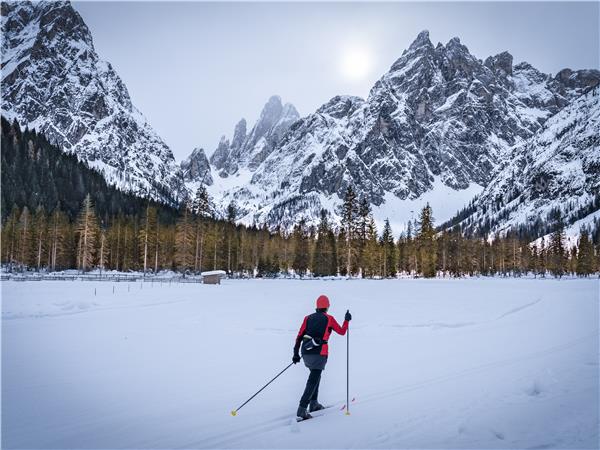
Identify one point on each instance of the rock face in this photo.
(438, 116)
(196, 168)
(439, 113)
(54, 81)
(557, 170)
(248, 151)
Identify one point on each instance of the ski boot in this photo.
(301, 414)
(315, 406)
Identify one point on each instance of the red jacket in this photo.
(319, 325)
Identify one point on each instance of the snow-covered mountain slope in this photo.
(196, 168)
(557, 170)
(250, 150)
(54, 81)
(438, 116)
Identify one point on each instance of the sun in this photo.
(355, 63)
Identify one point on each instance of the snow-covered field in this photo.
(476, 363)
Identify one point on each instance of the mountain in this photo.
(439, 119)
(197, 168)
(54, 81)
(38, 174)
(439, 125)
(557, 172)
(248, 151)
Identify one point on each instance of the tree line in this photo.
(60, 214)
(197, 241)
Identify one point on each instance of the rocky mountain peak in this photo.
(341, 106)
(439, 116)
(196, 167)
(501, 64)
(580, 79)
(239, 134)
(248, 150)
(54, 81)
(422, 40)
(220, 155)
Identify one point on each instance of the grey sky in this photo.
(194, 69)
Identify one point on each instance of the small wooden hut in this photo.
(212, 276)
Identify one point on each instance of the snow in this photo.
(444, 201)
(448, 103)
(470, 363)
(213, 272)
(573, 231)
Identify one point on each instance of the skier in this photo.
(312, 337)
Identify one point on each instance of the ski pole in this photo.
(348, 368)
(234, 412)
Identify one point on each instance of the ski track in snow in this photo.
(473, 363)
(221, 440)
(519, 308)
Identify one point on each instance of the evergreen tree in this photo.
(349, 221)
(543, 258)
(59, 237)
(372, 251)
(24, 242)
(10, 237)
(557, 249)
(411, 248)
(148, 236)
(102, 251)
(426, 243)
(363, 219)
(324, 257)
(39, 236)
(87, 233)
(585, 255)
(202, 205)
(199, 230)
(535, 260)
(301, 250)
(388, 249)
(184, 239)
(342, 254)
(231, 216)
(442, 252)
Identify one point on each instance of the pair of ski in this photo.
(321, 412)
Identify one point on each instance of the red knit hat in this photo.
(322, 302)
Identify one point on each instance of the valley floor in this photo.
(445, 363)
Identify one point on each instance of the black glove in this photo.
(296, 358)
(348, 316)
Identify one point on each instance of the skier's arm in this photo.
(336, 326)
(299, 337)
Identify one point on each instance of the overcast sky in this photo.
(194, 69)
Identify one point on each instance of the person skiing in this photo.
(313, 339)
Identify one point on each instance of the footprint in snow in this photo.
(498, 434)
(382, 438)
(535, 390)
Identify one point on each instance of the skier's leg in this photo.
(314, 404)
(316, 391)
(311, 384)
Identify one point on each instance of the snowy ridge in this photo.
(250, 150)
(440, 119)
(438, 116)
(557, 170)
(197, 168)
(54, 81)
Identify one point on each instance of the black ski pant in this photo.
(311, 391)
